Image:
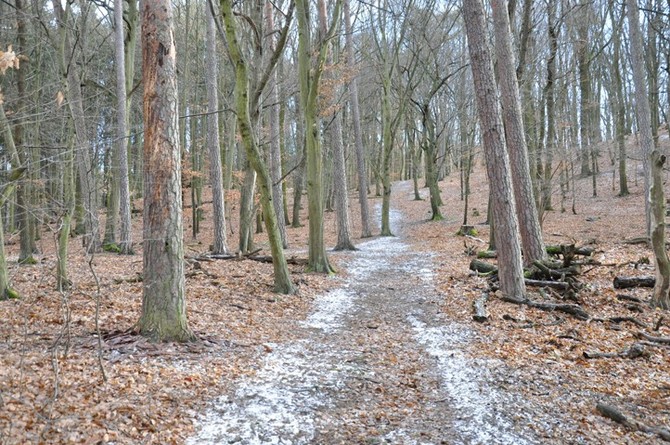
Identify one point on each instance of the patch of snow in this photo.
(476, 402)
(329, 310)
(401, 436)
(278, 404)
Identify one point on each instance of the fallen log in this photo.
(572, 309)
(268, 259)
(629, 282)
(635, 350)
(252, 256)
(548, 271)
(616, 415)
(483, 267)
(479, 307)
(624, 297)
(561, 285)
(633, 320)
(487, 254)
(663, 340)
(569, 249)
(638, 240)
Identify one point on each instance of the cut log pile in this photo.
(558, 274)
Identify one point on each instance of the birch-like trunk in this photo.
(125, 235)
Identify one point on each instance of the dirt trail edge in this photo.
(376, 362)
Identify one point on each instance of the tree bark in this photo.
(529, 223)
(497, 161)
(219, 246)
(282, 278)
(653, 162)
(125, 235)
(275, 138)
(340, 189)
(361, 170)
(309, 91)
(163, 304)
(87, 182)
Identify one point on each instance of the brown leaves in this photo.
(8, 60)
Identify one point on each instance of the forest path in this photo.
(375, 362)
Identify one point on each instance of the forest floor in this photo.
(384, 351)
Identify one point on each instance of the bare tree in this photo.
(245, 101)
(125, 235)
(219, 245)
(529, 223)
(340, 190)
(163, 315)
(356, 121)
(497, 161)
(653, 160)
(310, 75)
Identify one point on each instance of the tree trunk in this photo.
(87, 183)
(219, 246)
(309, 92)
(246, 242)
(619, 111)
(282, 278)
(163, 304)
(641, 102)
(275, 136)
(654, 195)
(125, 235)
(529, 223)
(62, 281)
(25, 192)
(361, 169)
(340, 189)
(497, 162)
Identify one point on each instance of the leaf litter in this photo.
(376, 354)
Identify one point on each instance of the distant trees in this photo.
(386, 95)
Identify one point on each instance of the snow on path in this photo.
(283, 402)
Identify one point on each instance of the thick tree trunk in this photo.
(163, 304)
(340, 189)
(529, 223)
(497, 162)
(309, 91)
